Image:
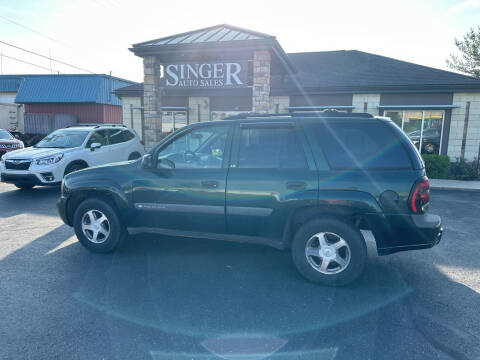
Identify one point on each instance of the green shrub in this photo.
(464, 170)
(436, 166)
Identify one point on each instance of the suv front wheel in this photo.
(97, 226)
(329, 252)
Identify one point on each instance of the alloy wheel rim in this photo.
(95, 226)
(328, 253)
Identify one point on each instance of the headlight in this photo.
(49, 160)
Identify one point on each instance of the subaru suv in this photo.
(68, 150)
(305, 182)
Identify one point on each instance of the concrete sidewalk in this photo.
(441, 184)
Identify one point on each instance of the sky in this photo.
(95, 35)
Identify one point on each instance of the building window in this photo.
(173, 120)
(424, 128)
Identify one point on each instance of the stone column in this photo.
(151, 102)
(261, 81)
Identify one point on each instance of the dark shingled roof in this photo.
(356, 71)
(360, 70)
(132, 90)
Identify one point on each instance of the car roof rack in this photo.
(320, 114)
(95, 126)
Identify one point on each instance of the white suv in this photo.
(67, 150)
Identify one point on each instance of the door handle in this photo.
(296, 185)
(210, 184)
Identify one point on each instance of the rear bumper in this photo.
(394, 233)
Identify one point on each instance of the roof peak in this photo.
(216, 33)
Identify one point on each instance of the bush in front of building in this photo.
(464, 170)
(436, 166)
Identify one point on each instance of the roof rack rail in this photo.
(310, 114)
(246, 115)
(95, 125)
(111, 125)
(333, 113)
(81, 125)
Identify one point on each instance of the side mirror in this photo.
(16, 136)
(147, 161)
(95, 146)
(166, 164)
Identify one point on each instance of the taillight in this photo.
(420, 196)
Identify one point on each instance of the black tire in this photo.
(24, 186)
(349, 233)
(117, 232)
(134, 156)
(73, 167)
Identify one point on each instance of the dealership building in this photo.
(210, 73)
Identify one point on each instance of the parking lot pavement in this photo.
(173, 298)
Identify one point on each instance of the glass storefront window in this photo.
(173, 120)
(429, 136)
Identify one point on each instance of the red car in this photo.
(8, 142)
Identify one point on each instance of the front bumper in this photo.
(37, 175)
(394, 233)
(62, 210)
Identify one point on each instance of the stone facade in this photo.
(457, 124)
(261, 81)
(152, 101)
(278, 104)
(372, 101)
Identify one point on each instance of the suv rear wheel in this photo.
(97, 226)
(329, 252)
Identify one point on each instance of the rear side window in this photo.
(269, 148)
(119, 136)
(361, 145)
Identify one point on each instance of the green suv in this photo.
(304, 182)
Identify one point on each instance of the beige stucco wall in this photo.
(457, 124)
(282, 101)
(372, 100)
(127, 102)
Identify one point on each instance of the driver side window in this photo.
(201, 148)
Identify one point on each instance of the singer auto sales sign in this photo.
(205, 75)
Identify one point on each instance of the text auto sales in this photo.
(229, 74)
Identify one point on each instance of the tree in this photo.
(469, 60)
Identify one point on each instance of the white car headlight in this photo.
(49, 160)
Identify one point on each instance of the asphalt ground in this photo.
(175, 298)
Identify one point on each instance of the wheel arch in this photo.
(75, 162)
(135, 153)
(350, 208)
(112, 197)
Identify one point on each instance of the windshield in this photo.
(5, 135)
(63, 139)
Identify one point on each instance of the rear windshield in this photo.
(361, 144)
